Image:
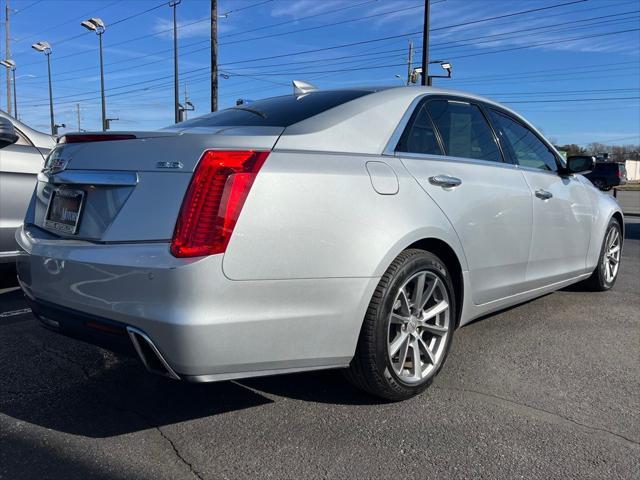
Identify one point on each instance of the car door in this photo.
(19, 166)
(562, 212)
(449, 147)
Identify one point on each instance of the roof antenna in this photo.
(300, 87)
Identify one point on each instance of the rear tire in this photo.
(407, 330)
(605, 275)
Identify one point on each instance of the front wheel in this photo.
(604, 276)
(408, 328)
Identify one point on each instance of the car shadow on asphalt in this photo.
(123, 398)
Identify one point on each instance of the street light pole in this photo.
(53, 123)
(176, 85)
(95, 24)
(44, 47)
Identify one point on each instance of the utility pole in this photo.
(176, 86)
(214, 55)
(7, 53)
(425, 45)
(186, 101)
(410, 63)
(78, 113)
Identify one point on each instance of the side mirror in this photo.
(8, 134)
(580, 164)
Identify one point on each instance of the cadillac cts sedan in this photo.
(352, 229)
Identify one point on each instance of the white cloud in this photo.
(303, 8)
(187, 28)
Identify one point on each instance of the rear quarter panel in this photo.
(317, 215)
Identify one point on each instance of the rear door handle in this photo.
(446, 181)
(543, 194)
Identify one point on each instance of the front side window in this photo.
(526, 146)
(419, 136)
(464, 130)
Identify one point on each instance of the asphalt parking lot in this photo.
(548, 389)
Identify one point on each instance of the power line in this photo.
(462, 56)
(83, 16)
(299, 19)
(247, 7)
(33, 4)
(572, 100)
(547, 43)
(548, 7)
(537, 28)
(326, 25)
(404, 35)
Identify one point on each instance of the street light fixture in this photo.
(96, 24)
(45, 48)
(444, 64)
(10, 64)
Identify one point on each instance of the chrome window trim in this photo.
(91, 177)
(539, 170)
(449, 158)
(394, 139)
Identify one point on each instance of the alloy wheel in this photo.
(611, 258)
(419, 325)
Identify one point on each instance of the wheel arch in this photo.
(446, 246)
(443, 250)
(620, 219)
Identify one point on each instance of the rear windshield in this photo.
(276, 111)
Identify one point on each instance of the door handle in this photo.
(445, 181)
(543, 194)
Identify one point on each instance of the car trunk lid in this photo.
(128, 186)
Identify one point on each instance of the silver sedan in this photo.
(22, 154)
(352, 229)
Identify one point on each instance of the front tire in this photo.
(606, 273)
(408, 328)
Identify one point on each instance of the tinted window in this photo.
(419, 136)
(277, 111)
(526, 146)
(464, 130)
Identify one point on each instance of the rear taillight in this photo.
(212, 204)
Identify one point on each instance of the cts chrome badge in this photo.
(169, 165)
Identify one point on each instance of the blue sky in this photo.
(585, 50)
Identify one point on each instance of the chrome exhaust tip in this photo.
(149, 354)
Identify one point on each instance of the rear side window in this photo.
(464, 130)
(277, 111)
(526, 146)
(420, 136)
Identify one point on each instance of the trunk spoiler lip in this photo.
(88, 137)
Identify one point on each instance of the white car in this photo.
(22, 154)
(351, 229)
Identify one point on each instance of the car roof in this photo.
(40, 139)
(366, 124)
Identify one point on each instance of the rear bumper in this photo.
(81, 326)
(204, 325)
